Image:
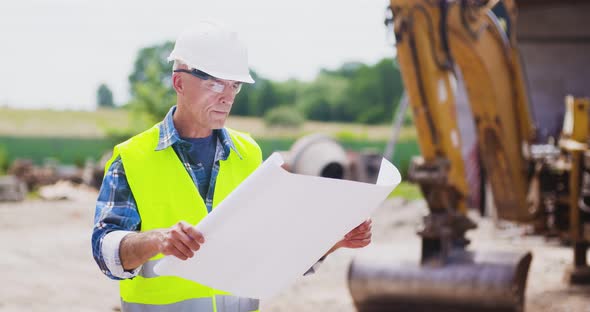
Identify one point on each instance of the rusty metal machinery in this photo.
(12, 189)
(470, 282)
(572, 198)
(536, 177)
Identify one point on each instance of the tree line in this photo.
(355, 92)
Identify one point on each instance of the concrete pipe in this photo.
(318, 155)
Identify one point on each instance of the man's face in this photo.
(204, 100)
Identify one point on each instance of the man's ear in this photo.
(177, 83)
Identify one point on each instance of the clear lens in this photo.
(218, 86)
(215, 86)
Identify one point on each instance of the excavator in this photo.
(535, 177)
(533, 151)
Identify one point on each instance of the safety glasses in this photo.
(212, 83)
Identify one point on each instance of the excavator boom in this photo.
(441, 45)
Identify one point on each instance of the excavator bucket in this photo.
(468, 282)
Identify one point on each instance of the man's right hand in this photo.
(180, 240)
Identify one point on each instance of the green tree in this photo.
(256, 99)
(365, 96)
(290, 91)
(374, 92)
(151, 89)
(104, 97)
(246, 99)
(391, 86)
(267, 97)
(152, 98)
(286, 116)
(324, 97)
(347, 70)
(355, 92)
(152, 58)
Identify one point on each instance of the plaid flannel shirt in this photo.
(116, 210)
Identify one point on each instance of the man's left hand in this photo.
(359, 237)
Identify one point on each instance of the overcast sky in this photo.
(55, 53)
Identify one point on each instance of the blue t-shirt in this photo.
(202, 154)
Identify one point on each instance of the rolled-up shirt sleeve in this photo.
(116, 216)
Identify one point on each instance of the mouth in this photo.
(220, 114)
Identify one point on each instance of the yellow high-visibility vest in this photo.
(165, 194)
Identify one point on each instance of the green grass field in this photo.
(50, 123)
(77, 150)
(97, 124)
(71, 137)
(407, 190)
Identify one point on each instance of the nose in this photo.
(227, 97)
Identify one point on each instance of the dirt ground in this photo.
(47, 265)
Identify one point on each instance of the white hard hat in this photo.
(213, 49)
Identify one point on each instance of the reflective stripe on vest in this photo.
(223, 304)
(190, 305)
(235, 304)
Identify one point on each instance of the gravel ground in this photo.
(47, 263)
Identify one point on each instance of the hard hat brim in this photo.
(245, 77)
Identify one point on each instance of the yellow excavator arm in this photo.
(435, 41)
(440, 45)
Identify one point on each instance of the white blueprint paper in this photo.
(272, 228)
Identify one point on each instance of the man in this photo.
(162, 182)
